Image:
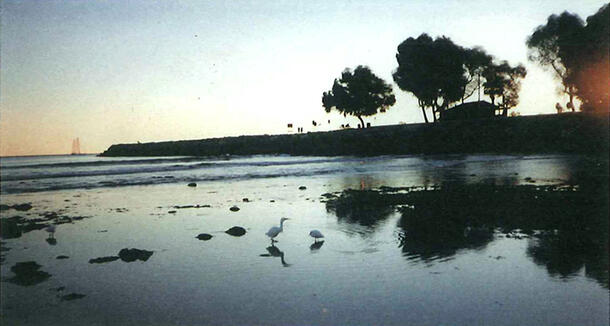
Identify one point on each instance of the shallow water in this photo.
(363, 273)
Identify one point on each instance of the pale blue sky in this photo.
(127, 71)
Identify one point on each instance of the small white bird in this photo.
(316, 235)
(51, 230)
(275, 230)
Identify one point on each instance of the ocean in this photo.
(64, 172)
(409, 240)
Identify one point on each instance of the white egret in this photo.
(275, 230)
(51, 230)
(316, 235)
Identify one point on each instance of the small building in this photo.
(471, 110)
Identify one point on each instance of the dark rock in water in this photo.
(171, 212)
(27, 274)
(4, 207)
(51, 241)
(192, 184)
(9, 229)
(302, 188)
(101, 260)
(245, 200)
(22, 207)
(129, 255)
(185, 206)
(72, 296)
(204, 236)
(62, 257)
(236, 231)
(272, 201)
(234, 208)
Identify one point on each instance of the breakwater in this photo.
(557, 133)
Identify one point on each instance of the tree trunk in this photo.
(504, 109)
(423, 110)
(479, 86)
(571, 94)
(361, 121)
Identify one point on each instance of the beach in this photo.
(483, 266)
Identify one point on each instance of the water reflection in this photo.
(316, 246)
(565, 252)
(566, 226)
(363, 207)
(274, 251)
(428, 238)
(28, 274)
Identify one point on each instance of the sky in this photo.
(125, 71)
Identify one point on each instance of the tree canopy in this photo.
(440, 73)
(503, 81)
(578, 54)
(359, 93)
(432, 70)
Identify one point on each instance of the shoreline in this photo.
(565, 133)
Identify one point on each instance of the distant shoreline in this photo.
(556, 133)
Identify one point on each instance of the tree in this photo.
(557, 45)
(360, 93)
(503, 81)
(476, 60)
(432, 70)
(593, 75)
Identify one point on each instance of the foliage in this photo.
(439, 73)
(593, 75)
(503, 81)
(432, 70)
(578, 54)
(476, 60)
(359, 93)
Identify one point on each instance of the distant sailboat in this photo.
(75, 147)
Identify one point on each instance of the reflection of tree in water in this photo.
(569, 224)
(578, 237)
(363, 207)
(564, 253)
(428, 236)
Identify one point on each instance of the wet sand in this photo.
(476, 245)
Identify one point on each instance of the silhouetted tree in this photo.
(503, 82)
(578, 54)
(360, 93)
(593, 75)
(432, 70)
(557, 45)
(476, 60)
